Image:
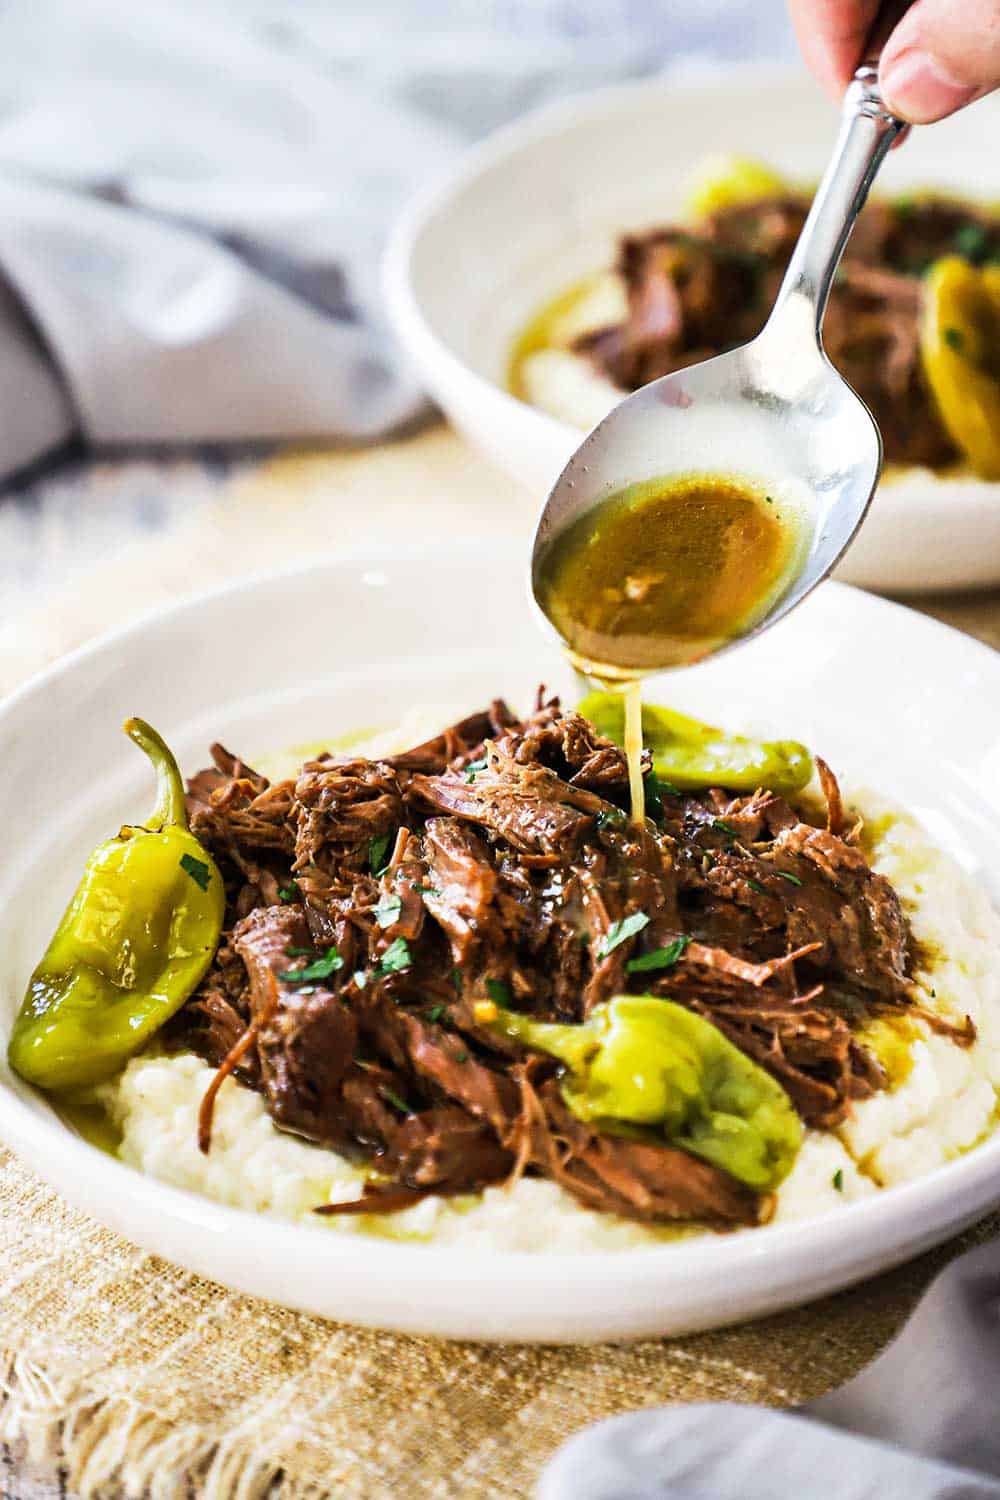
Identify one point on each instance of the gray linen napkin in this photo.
(920, 1423)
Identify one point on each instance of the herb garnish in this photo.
(377, 850)
(456, 979)
(396, 957)
(498, 991)
(654, 802)
(322, 968)
(435, 1013)
(972, 241)
(299, 952)
(609, 817)
(289, 892)
(388, 910)
(197, 869)
(659, 958)
(787, 875)
(955, 339)
(427, 890)
(755, 885)
(461, 1057)
(473, 767)
(620, 932)
(393, 1098)
(721, 826)
(838, 1179)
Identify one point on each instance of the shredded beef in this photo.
(695, 293)
(497, 861)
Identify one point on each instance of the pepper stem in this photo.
(170, 810)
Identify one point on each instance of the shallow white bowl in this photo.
(541, 203)
(889, 696)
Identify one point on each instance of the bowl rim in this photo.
(94, 1178)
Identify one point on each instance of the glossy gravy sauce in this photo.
(664, 572)
(660, 575)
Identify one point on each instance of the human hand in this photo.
(942, 55)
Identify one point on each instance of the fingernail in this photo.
(917, 87)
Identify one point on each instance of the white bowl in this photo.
(353, 642)
(542, 202)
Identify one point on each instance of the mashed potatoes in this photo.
(945, 1100)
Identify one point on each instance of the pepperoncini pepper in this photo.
(959, 339)
(729, 181)
(135, 940)
(688, 754)
(645, 1062)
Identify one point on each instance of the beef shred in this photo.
(493, 862)
(695, 293)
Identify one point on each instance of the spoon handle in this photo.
(867, 131)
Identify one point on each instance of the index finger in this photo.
(831, 35)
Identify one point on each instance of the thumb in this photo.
(941, 56)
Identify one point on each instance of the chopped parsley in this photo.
(388, 910)
(498, 991)
(787, 875)
(609, 817)
(955, 339)
(620, 932)
(393, 1098)
(289, 892)
(461, 1057)
(456, 979)
(972, 241)
(378, 848)
(768, 500)
(197, 869)
(659, 958)
(654, 801)
(473, 767)
(435, 1013)
(427, 890)
(721, 826)
(299, 952)
(396, 957)
(838, 1179)
(755, 885)
(321, 968)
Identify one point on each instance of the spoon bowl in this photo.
(773, 413)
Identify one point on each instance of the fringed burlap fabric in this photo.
(137, 1377)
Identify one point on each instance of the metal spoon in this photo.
(774, 408)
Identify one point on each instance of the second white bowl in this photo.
(543, 202)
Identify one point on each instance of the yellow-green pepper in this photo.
(132, 945)
(959, 334)
(646, 1062)
(730, 181)
(688, 754)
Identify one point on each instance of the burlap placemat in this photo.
(137, 1376)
